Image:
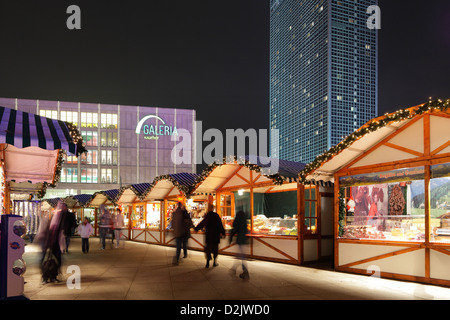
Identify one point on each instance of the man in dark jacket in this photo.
(213, 231)
(69, 222)
(181, 223)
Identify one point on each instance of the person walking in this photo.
(118, 225)
(53, 244)
(240, 229)
(69, 222)
(85, 230)
(105, 225)
(213, 231)
(181, 223)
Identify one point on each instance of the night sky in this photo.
(208, 55)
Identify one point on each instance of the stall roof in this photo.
(79, 200)
(53, 202)
(108, 197)
(234, 172)
(170, 185)
(130, 193)
(32, 148)
(362, 141)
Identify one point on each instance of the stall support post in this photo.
(300, 214)
(95, 221)
(129, 222)
(164, 222)
(336, 221)
(427, 221)
(427, 177)
(218, 204)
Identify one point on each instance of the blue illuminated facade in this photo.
(323, 74)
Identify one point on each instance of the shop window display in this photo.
(390, 209)
(275, 213)
(153, 215)
(138, 216)
(440, 203)
(171, 206)
(311, 217)
(226, 210)
(197, 210)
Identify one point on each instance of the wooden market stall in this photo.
(77, 203)
(288, 221)
(392, 194)
(106, 198)
(32, 149)
(133, 209)
(153, 207)
(31, 154)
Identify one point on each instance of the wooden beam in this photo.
(275, 249)
(407, 150)
(228, 179)
(445, 145)
(382, 142)
(382, 256)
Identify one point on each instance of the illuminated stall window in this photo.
(440, 203)
(311, 218)
(385, 205)
(275, 213)
(226, 210)
(153, 219)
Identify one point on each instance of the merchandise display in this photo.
(153, 215)
(275, 226)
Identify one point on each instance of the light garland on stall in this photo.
(276, 178)
(59, 162)
(185, 189)
(371, 126)
(77, 139)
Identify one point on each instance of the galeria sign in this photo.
(153, 132)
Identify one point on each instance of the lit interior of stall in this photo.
(106, 198)
(164, 194)
(131, 206)
(265, 197)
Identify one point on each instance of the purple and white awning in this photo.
(23, 129)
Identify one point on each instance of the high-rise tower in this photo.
(323, 74)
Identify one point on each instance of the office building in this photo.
(323, 74)
(126, 144)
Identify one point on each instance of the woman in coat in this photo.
(213, 231)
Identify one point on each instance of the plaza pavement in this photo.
(141, 271)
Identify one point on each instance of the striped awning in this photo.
(23, 129)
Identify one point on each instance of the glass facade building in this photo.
(323, 74)
(117, 153)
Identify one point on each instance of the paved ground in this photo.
(145, 272)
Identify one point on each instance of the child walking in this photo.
(85, 230)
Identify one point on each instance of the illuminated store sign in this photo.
(153, 132)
